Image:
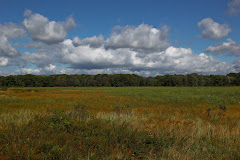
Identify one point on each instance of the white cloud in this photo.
(51, 67)
(27, 12)
(35, 44)
(143, 38)
(230, 48)
(12, 31)
(236, 64)
(93, 42)
(87, 57)
(3, 61)
(28, 71)
(6, 48)
(103, 71)
(46, 70)
(69, 24)
(50, 32)
(234, 7)
(84, 59)
(39, 59)
(182, 60)
(9, 31)
(213, 30)
(142, 50)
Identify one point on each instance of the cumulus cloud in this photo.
(12, 31)
(28, 71)
(9, 31)
(51, 67)
(50, 32)
(87, 57)
(142, 50)
(39, 59)
(35, 44)
(3, 61)
(234, 7)
(183, 60)
(6, 48)
(69, 24)
(236, 64)
(230, 48)
(93, 42)
(143, 38)
(82, 59)
(213, 30)
(27, 12)
(102, 71)
(47, 70)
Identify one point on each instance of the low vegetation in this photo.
(120, 123)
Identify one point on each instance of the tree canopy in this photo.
(118, 80)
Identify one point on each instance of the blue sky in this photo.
(148, 38)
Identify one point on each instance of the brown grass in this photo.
(193, 123)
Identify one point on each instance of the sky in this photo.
(143, 37)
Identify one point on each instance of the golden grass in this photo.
(103, 103)
(143, 113)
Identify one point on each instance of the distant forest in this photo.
(118, 80)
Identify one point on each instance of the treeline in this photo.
(119, 80)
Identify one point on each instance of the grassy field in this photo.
(120, 123)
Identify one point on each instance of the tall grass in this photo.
(120, 123)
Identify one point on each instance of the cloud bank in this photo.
(171, 60)
(143, 49)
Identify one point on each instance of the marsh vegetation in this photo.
(120, 123)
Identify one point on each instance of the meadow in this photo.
(120, 123)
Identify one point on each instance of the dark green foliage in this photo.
(119, 80)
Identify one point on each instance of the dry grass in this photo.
(179, 117)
